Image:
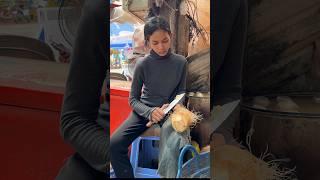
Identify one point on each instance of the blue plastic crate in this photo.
(112, 174)
(144, 157)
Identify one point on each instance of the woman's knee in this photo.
(117, 145)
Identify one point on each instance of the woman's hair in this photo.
(153, 24)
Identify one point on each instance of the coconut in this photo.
(182, 119)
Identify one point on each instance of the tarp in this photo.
(121, 35)
(120, 46)
(116, 28)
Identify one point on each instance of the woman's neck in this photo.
(154, 55)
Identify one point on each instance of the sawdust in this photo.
(232, 163)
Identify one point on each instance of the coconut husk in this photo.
(182, 119)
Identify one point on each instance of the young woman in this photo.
(157, 79)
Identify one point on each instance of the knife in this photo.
(221, 113)
(174, 102)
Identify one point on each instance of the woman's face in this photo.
(160, 42)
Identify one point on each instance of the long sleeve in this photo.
(88, 68)
(182, 84)
(183, 80)
(135, 93)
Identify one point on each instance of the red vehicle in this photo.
(119, 105)
(31, 93)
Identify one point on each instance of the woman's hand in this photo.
(157, 115)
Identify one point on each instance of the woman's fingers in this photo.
(156, 119)
(160, 112)
(157, 115)
(164, 106)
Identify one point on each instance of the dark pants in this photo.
(79, 169)
(121, 139)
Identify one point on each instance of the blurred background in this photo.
(36, 38)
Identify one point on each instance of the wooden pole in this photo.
(178, 23)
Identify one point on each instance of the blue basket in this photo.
(197, 167)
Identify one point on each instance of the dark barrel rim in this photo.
(247, 107)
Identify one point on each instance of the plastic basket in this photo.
(196, 167)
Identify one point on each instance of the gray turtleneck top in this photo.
(84, 121)
(156, 81)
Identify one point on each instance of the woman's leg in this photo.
(77, 168)
(121, 139)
